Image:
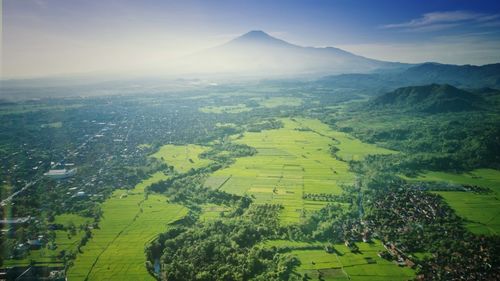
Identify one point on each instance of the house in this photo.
(35, 244)
(60, 174)
(15, 221)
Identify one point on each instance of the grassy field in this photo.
(482, 211)
(295, 245)
(289, 163)
(350, 147)
(63, 241)
(211, 211)
(130, 220)
(238, 108)
(345, 265)
(182, 157)
(279, 101)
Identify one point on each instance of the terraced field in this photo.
(292, 161)
(482, 211)
(130, 220)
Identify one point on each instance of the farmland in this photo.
(182, 157)
(225, 109)
(345, 265)
(130, 221)
(251, 185)
(273, 102)
(292, 161)
(481, 211)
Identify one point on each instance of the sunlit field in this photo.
(130, 221)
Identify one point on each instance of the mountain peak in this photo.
(255, 34)
(258, 37)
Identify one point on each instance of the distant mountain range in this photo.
(463, 76)
(256, 53)
(434, 98)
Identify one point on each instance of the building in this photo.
(15, 221)
(60, 174)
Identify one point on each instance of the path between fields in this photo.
(114, 239)
(118, 235)
(342, 267)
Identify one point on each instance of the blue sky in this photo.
(50, 37)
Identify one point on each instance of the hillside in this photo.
(434, 98)
(463, 76)
(458, 75)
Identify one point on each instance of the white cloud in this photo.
(442, 20)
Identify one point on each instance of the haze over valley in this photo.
(250, 140)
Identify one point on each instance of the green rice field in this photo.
(350, 148)
(182, 157)
(279, 101)
(342, 264)
(130, 221)
(481, 211)
(345, 265)
(238, 108)
(290, 163)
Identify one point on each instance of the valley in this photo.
(257, 183)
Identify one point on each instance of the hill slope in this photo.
(464, 76)
(432, 98)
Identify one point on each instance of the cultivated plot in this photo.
(130, 221)
(238, 108)
(290, 162)
(481, 211)
(342, 264)
(182, 157)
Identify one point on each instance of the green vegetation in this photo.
(481, 211)
(225, 109)
(291, 162)
(210, 212)
(27, 108)
(131, 219)
(349, 147)
(182, 157)
(64, 239)
(282, 180)
(430, 98)
(279, 101)
(54, 125)
(342, 264)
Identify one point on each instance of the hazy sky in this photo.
(52, 37)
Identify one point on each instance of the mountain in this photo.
(434, 98)
(256, 53)
(463, 76)
(458, 75)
